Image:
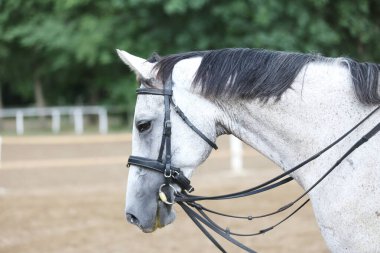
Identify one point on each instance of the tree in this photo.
(64, 51)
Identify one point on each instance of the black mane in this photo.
(262, 74)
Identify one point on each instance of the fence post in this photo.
(55, 121)
(236, 154)
(20, 123)
(78, 120)
(103, 121)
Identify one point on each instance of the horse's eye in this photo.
(143, 126)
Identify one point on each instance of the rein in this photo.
(189, 203)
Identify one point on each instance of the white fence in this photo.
(77, 112)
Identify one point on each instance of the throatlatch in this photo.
(189, 203)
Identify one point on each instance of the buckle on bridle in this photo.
(168, 172)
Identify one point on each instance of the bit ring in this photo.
(163, 196)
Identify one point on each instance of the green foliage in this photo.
(70, 44)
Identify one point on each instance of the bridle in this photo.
(163, 162)
(189, 203)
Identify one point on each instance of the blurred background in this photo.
(66, 106)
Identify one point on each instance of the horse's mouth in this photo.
(164, 216)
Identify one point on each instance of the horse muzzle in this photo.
(164, 215)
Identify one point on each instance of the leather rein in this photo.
(189, 203)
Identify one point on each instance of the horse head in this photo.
(143, 205)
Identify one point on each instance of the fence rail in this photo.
(233, 149)
(77, 112)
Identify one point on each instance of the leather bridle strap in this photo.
(176, 174)
(202, 218)
(226, 233)
(189, 213)
(254, 189)
(186, 201)
(227, 230)
(198, 219)
(167, 131)
(360, 142)
(154, 91)
(196, 130)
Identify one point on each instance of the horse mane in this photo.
(262, 74)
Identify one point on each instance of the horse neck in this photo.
(319, 108)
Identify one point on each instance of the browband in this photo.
(154, 91)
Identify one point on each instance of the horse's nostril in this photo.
(132, 219)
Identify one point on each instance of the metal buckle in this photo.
(167, 172)
(163, 196)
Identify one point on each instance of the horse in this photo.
(287, 106)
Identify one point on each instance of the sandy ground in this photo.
(66, 194)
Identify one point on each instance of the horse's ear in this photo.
(139, 65)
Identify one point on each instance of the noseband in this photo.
(196, 211)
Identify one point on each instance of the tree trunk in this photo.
(38, 93)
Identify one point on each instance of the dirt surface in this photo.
(66, 194)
